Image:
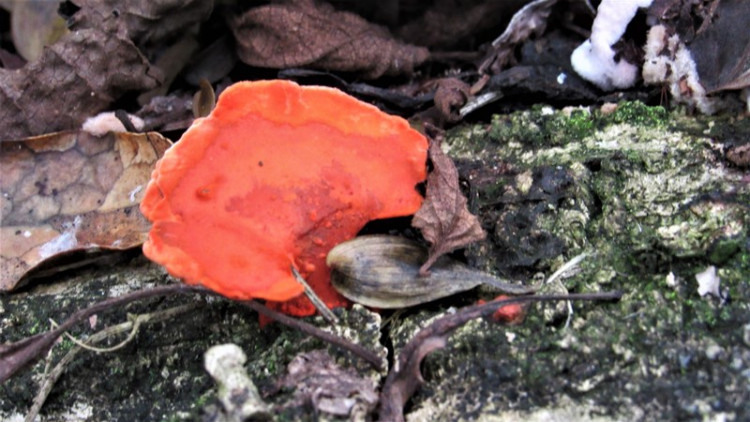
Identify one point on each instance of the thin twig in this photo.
(316, 301)
(53, 375)
(136, 323)
(557, 274)
(15, 356)
(314, 331)
(404, 378)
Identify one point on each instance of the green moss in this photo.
(637, 113)
(543, 126)
(724, 248)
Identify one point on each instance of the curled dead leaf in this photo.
(451, 94)
(444, 219)
(71, 191)
(298, 33)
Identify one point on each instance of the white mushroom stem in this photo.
(594, 60)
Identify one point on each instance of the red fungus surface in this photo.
(512, 314)
(275, 177)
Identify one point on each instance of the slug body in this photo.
(383, 272)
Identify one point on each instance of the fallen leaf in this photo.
(444, 219)
(530, 21)
(699, 50)
(171, 61)
(142, 21)
(71, 191)
(166, 113)
(213, 63)
(449, 24)
(722, 51)
(317, 379)
(204, 99)
(10, 61)
(298, 33)
(75, 78)
(407, 97)
(451, 94)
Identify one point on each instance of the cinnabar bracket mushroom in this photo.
(275, 177)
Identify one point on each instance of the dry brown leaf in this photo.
(722, 51)
(530, 21)
(451, 94)
(317, 379)
(71, 191)
(444, 219)
(75, 78)
(717, 37)
(298, 33)
(142, 21)
(448, 23)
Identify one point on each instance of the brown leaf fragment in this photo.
(297, 33)
(444, 219)
(165, 113)
(71, 191)
(10, 61)
(722, 51)
(142, 21)
(318, 380)
(451, 94)
(530, 21)
(449, 23)
(75, 78)
(204, 100)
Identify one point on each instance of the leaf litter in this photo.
(298, 33)
(69, 191)
(444, 219)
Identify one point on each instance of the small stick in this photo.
(324, 311)
(314, 331)
(53, 375)
(557, 274)
(17, 355)
(123, 117)
(405, 378)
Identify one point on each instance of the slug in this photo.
(383, 272)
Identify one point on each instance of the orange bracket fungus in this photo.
(271, 180)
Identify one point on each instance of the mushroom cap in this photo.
(275, 177)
